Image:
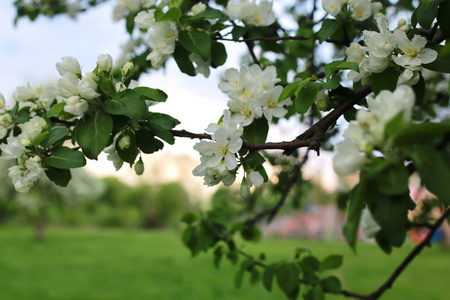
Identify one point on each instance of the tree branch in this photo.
(416, 251)
(312, 137)
(272, 212)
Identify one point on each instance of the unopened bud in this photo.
(323, 102)
(127, 68)
(139, 167)
(401, 23)
(124, 142)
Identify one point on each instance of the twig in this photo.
(388, 284)
(312, 137)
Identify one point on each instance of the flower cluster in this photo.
(250, 12)
(360, 9)
(384, 47)
(162, 36)
(28, 166)
(26, 125)
(73, 88)
(125, 7)
(367, 132)
(253, 94)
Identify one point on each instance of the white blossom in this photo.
(202, 67)
(13, 148)
(251, 12)
(348, 159)
(414, 51)
(112, 155)
(104, 62)
(270, 105)
(69, 65)
(333, 7)
(76, 106)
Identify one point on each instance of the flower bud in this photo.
(245, 189)
(25, 142)
(104, 63)
(198, 8)
(69, 65)
(139, 167)
(401, 23)
(124, 142)
(127, 68)
(323, 102)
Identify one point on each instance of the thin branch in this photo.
(312, 137)
(416, 251)
(272, 212)
(279, 38)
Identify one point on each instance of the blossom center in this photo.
(223, 149)
(272, 103)
(246, 112)
(411, 52)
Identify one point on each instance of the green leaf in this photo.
(66, 158)
(268, 274)
(442, 17)
(238, 32)
(314, 293)
(356, 205)
(306, 97)
(433, 171)
(390, 212)
(106, 86)
(218, 254)
(173, 14)
(146, 141)
(340, 65)
(151, 94)
(427, 13)
(208, 13)
(181, 56)
(189, 217)
(127, 103)
(92, 133)
(23, 115)
(420, 133)
(254, 159)
(41, 137)
(198, 42)
(251, 233)
(238, 278)
(161, 132)
(289, 90)
(257, 131)
(56, 134)
(162, 120)
(129, 153)
(218, 54)
(393, 179)
(60, 177)
(332, 83)
(386, 80)
(287, 279)
(331, 262)
(329, 27)
(310, 264)
(331, 284)
(56, 109)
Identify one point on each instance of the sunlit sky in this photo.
(30, 50)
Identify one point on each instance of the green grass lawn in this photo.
(117, 264)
